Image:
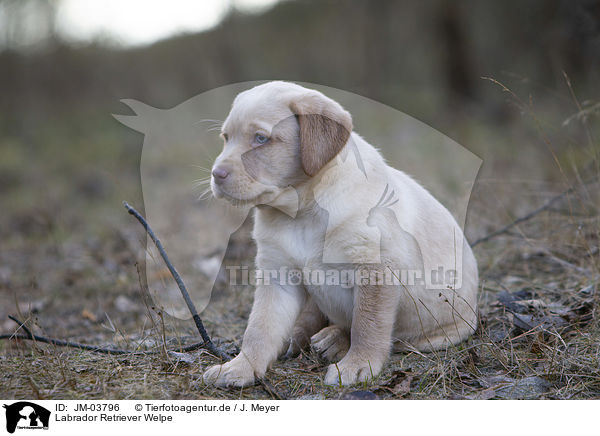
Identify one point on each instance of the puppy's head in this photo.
(277, 135)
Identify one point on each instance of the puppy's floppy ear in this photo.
(324, 129)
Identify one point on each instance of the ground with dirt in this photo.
(538, 335)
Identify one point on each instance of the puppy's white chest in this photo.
(297, 245)
(285, 241)
(330, 285)
(330, 290)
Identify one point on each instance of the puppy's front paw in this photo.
(331, 343)
(237, 372)
(351, 370)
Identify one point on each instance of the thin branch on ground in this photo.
(61, 343)
(524, 218)
(208, 343)
(267, 386)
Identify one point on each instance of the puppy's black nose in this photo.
(220, 174)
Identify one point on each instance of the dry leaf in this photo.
(89, 315)
(403, 388)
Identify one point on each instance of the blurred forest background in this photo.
(427, 59)
(66, 164)
(424, 58)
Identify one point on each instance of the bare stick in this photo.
(524, 218)
(210, 346)
(59, 342)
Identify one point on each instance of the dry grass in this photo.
(544, 345)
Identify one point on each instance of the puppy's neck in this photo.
(292, 202)
(300, 200)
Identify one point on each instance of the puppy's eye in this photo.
(225, 136)
(260, 139)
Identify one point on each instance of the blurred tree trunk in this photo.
(455, 55)
(377, 19)
(27, 23)
(583, 30)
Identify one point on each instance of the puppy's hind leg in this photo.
(370, 335)
(309, 322)
(331, 343)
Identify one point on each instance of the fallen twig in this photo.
(61, 343)
(268, 387)
(524, 218)
(208, 343)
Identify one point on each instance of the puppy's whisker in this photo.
(207, 193)
(208, 154)
(202, 184)
(197, 187)
(202, 179)
(208, 120)
(200, 167)
(215, 124)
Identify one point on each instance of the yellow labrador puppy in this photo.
(355, 256)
